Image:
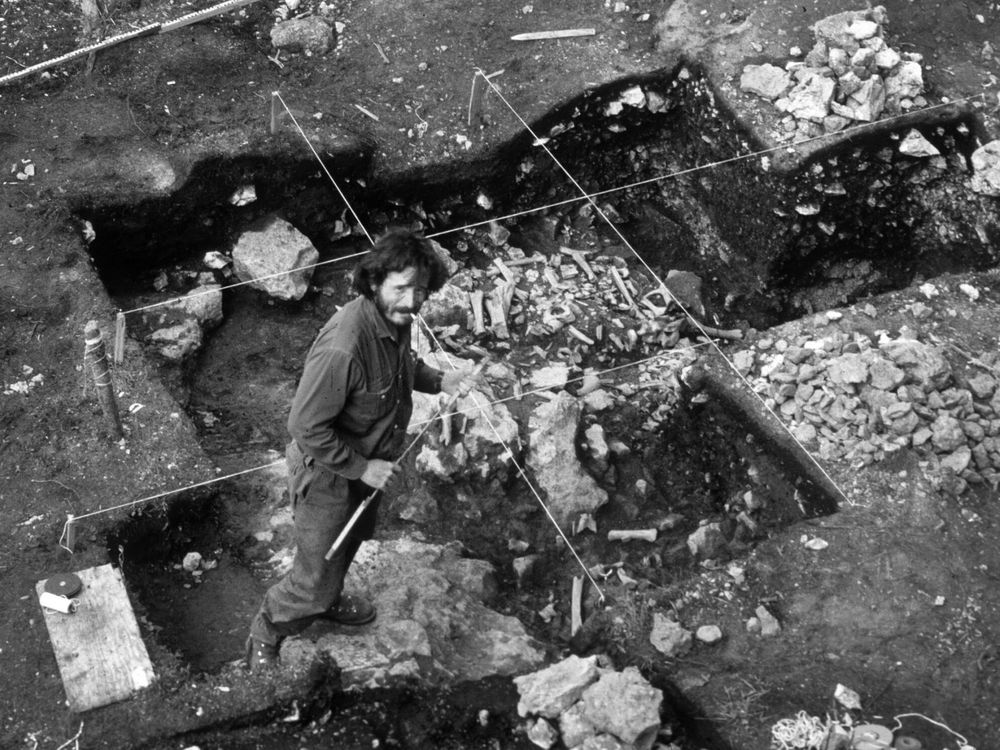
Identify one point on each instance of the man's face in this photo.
(401, 294)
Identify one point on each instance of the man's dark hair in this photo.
(397, 250)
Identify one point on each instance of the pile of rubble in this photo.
(589, 707)
(860, 399)
(850, 75)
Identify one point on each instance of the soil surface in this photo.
(148, 143)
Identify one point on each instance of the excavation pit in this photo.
(759, 238)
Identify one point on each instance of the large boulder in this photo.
(625, 705)
(552, 456)
(433, 623)
(275, 258)
(768, 81)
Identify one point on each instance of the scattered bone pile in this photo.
(850, 75)
(860, 399)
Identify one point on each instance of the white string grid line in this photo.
(665, 289)
(557, 204)
(517, 464)
(584, 197)
(485, 415)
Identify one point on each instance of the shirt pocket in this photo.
(372, 405)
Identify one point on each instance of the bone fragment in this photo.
(498, 305)
(576, 610)
(620, 283)
(628, 535)
(580, 258)
(580, 335)
(505, 271)
(731, 334)
(476, 300)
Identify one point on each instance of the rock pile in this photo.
(850, 75)
(858, 399)
(433, 624)
(594, 708)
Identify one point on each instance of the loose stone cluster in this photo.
(858, 399)
(850, 75)
(594, 708)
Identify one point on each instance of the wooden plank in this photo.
(99, 650)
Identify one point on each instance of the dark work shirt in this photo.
(354, 400)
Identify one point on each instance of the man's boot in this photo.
(261, 655)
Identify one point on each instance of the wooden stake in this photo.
(97, 357)
(274, 112)
(119, 347)
(70, 533)
(576, 614)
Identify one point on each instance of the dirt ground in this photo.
(166, 127)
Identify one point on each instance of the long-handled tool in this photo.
(353, 520)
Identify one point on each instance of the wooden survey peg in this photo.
(96, 357)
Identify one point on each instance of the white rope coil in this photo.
(803, 732)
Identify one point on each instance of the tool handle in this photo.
(342, 536)
(351, 522)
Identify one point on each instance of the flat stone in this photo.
(768, 81)
(848, 369)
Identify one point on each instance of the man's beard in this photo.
(388, 312)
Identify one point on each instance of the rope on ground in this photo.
(666, 291)
(945, 727)
(148, 30)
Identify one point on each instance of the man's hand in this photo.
(379, 474)
(461, 381)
